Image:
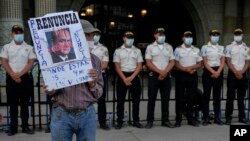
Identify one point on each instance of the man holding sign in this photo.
(73, 107)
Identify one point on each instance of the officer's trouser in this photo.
(234, 84)
(185, 89)
(153, 86)
(208, 83)
(135, 91)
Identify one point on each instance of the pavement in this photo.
(129, 133)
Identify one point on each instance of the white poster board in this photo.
(55, 35)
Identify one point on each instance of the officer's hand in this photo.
(161, 77)
(127, 82)
(188, 70)
(14, 76)
(51, 92)
(215, 74)
(238, 75)
(18, 80)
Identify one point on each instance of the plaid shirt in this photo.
(80, 95)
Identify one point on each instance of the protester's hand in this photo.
(93, 74)
(48, 92)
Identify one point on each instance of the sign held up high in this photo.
(61, 49)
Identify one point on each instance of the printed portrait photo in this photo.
(60, 45)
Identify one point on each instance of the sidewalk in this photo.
(129, 133)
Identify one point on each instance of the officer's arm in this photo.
(170, 66)
(207, 65)
(119, 71)
(222, 64)
(137, 70)
(6, 66)
(197, 66)
(105, 65)
(179, 66)
(151, 66)
(245, 67)
(27, 68)
(230, 65)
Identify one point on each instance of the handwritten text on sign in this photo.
(62, 73)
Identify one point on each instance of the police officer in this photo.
(237, 59)
(17, 60)
(188, 60)
(160, 60)
(93, 36)
(212, 77)
(128, 64)
(102, 53)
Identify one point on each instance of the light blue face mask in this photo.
(129, 42)
(161, 39)
(19, 38)
(238, 38)
(188, 41)
(97, 39)
(215, 39)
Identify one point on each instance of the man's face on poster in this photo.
(62, 44)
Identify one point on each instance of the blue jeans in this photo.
(64, 125)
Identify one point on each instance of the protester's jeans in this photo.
(64, 124)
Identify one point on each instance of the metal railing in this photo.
(39, 103)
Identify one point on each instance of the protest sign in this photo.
(61, 49)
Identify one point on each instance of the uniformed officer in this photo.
(128, 64)
(160, 60)
(17, 60)
(188, 61)
(102, 53)
(237, 59)
(93, 36)
(212, 77)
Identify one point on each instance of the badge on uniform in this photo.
(195, 51)
(26, 50)
(248, 53)
(106, 53)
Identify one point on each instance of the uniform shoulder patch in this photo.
(106, 53)
(248, 53)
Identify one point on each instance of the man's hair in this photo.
(57, 33)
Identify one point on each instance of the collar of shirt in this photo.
(184, 47)
(156, 44)
(123, 47)
(242, 43)
(13, 43)
(160, 46)
(210, 44)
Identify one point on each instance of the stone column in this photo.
(43, 7)
(230, 20)
(246, 22)
(10, 14)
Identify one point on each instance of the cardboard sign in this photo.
(61, 49)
